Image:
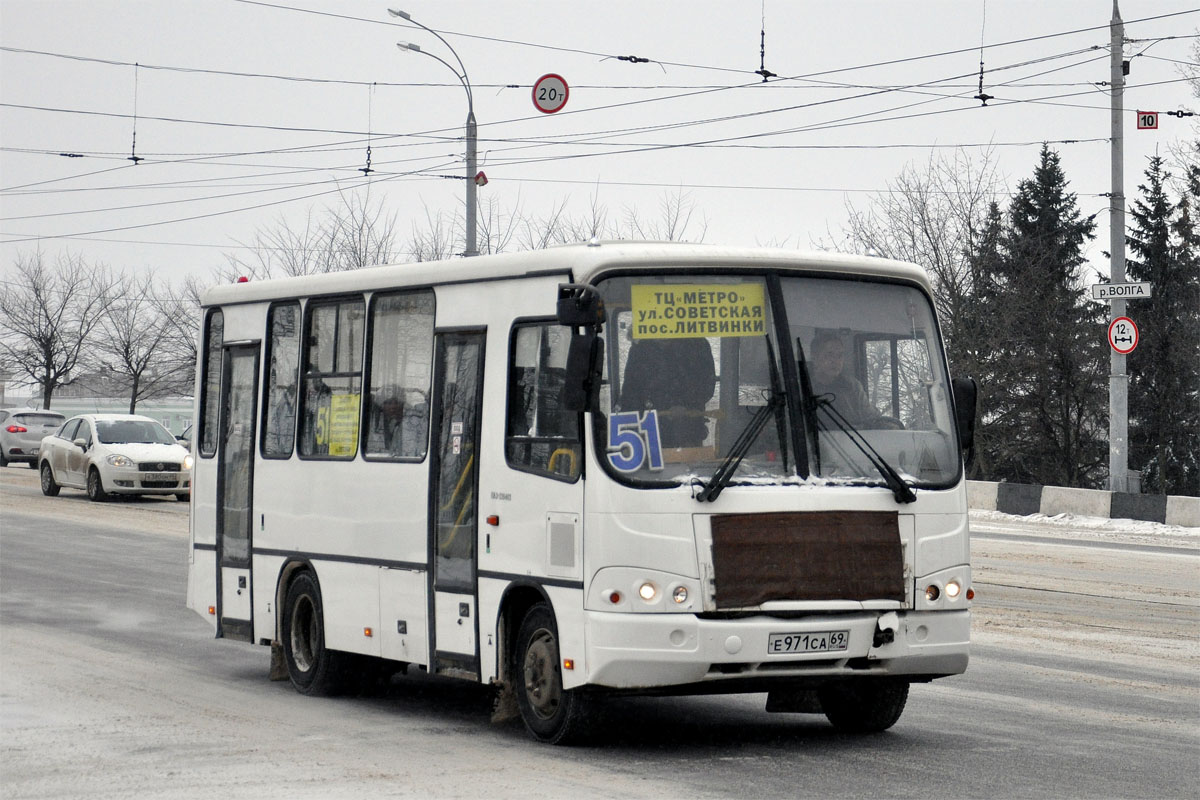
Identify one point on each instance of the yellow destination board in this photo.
(690, 310)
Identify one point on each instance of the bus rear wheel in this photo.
(865, 705)
(312, 668)
(551, 713)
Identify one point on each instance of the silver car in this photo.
(107, 454)
(22, 431)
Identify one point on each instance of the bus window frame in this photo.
(368, 363)
(202, 419)
(266, 384)
(581, 428)
(310, 305)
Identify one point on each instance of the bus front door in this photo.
(453, 512)
(235, 476)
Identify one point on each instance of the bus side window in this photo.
(283, 357)
(539, 435)
(332, 387)
(400, 374)
(210, 400)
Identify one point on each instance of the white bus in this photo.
(611, 468)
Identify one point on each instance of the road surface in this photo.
(1083, 683)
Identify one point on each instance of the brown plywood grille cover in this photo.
(817, 555)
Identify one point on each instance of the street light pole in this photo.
(472, 248)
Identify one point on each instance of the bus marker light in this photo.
(494, 519)
(952, 589)
(614, 597)
(212, 610)
(648, 591)
(568, 663)
(368, 632)
(970, 594)
(932, 592)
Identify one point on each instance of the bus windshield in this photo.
(699, 389)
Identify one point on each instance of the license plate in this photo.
(817, 642)
(158, 476)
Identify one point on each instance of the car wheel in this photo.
(33, 465)
(50, 487)
(183, 497)
(95, 487)
(551, 713)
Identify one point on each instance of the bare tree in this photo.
(48, 315)
(180, 308)
(676, 212)
(133, 344)
(350, 236)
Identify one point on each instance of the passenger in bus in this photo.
(676, 377)
(830, 381)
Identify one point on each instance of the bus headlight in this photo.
(680, 595)
(952, 589)
(648, 592)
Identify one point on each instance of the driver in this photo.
(830, 381)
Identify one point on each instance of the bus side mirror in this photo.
(580, 306)
(965, 391)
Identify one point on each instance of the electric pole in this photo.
(1118, 380)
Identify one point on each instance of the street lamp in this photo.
(472, 133)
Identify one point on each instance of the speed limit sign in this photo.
(550, 93)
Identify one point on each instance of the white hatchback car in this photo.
(107, 454)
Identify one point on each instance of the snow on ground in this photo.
(1076, 526)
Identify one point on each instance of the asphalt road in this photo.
(1084, 682)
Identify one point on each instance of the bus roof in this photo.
(583, 262)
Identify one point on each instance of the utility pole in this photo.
(1118, 380)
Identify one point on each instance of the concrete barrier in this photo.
(1025, 499)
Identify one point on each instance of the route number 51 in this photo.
(633, 440)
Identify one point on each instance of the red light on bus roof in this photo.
(243, 279)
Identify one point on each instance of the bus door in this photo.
(453, 512)
(235, 478)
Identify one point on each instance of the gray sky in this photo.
(763, 164)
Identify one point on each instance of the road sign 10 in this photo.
(1123, 335)
(1147, 120)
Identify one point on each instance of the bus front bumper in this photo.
(647, 651)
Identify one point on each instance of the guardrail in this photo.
(1025, 499)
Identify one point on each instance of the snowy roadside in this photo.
(1078, 527)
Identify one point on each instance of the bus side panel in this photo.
(403, 623)
(202, 584)
(350, 599)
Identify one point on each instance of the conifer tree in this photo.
(1164, 370)
(1047, 418)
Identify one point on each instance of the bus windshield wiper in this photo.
(900, 488)
(720, 479)
(811, 404)
(724, 474)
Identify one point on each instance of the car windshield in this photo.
(130, 431)
(698, 389)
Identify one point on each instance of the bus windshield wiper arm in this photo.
(724, 474)
(900, 488)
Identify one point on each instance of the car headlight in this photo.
(187, 461)
(118, 460)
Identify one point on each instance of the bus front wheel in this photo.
(551, 713)
(312, 668)
(865, 705)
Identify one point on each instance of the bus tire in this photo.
(864, 705)
(551, 714)
(50, 486)
(95, 486)
(313, 669)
